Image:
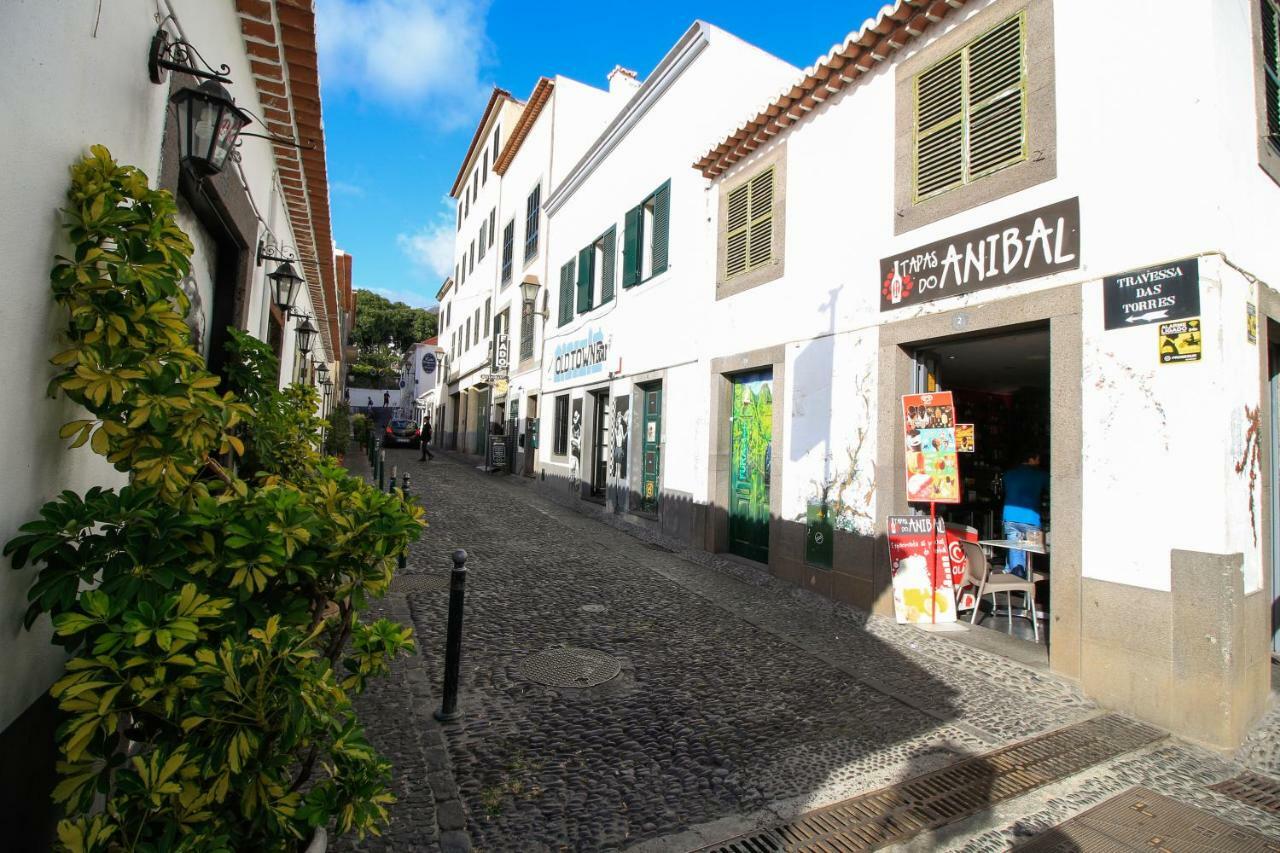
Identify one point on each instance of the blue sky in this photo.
(404, 82)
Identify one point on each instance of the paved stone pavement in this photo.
(740, 701)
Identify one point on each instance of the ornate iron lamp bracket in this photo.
(177, 55)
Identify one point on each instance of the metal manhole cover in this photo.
(924, 803)
(1141, 820)
(409, 584)
(592, 608)
(569, 667)
(1258, 791)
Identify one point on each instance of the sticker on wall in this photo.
(964, 438)
(1180, 341)
(1251, 322)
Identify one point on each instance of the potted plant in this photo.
(210, 606)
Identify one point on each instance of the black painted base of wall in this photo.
(27, 775)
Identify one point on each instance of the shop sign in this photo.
(502, 352)
(922, 588)
(1026, 246)
(1180, 341)
(497, 452)
(929, 429)
(580, 357)
(429, 363)
(1151, 295)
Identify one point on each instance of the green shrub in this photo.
(338, 433)
(209, 607)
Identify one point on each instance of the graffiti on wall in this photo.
(844, 498)
(753, 444)
(619, 434)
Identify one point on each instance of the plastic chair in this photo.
(978, 572)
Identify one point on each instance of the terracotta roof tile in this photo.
(875, 41)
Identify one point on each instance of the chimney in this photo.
(623, 82)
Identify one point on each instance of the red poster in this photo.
(929, 428)
(918, 597)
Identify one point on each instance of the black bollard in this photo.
(382, 465)
(391, 484)
(402, 560)
(453, 644)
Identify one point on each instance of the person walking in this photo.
(425, 439)
(386, 399)
(370, 404)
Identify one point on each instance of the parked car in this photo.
(401, 432)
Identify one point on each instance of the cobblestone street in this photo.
(740, 701)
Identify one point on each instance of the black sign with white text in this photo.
(1152, 295)
(1026, 246)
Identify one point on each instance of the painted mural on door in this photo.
(751, 463)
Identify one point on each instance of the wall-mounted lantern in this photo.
(306, 334)
(285, 282)
(209, 122)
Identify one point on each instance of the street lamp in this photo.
(306, 335)
(529, 293)
(208, 123)
(322, 370)
(284, 285)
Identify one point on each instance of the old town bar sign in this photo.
(1026, 246)
(1152, 295)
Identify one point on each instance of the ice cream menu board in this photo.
(929, 427)
(917, 597)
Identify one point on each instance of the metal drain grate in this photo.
(421, 582)
(934, 799)
(1142, 820)
(1261, 792)
(569, 667)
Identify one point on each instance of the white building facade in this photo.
(946, 202)
(99, 91)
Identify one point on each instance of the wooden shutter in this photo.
(566, 293)
(631, 245)
(531, 217)
(526, 333)
(997, 124)
(586, 267)
(608, 253)
(508, 248)
(940, 127)
(1271, 67)
(737, 224)
(971, 111)
(661, 223)
(760, 243)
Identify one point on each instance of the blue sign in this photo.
(582, 357)
(429, 362)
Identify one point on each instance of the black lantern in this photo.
(306, 335)
(208, 123)
(322, 370)
(284, 284)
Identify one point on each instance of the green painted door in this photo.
(651, 439)
(751, 458)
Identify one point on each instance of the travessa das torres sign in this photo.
(1022, 247)
(1152, 295)
(580, 357)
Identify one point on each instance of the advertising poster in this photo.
(1180, 342)
(917, 598)
(929, 427)
(964, 438)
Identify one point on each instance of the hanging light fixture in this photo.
(322, 370)
(306, 335)
(208, 123)
(285, 282)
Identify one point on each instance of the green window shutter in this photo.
(661, 223)
(608, 255)
(566, 293)
(1271, 67)
(586, 266)
(737, 224)
(939, 127)
(760, 244)
(631, 245)
(997, 96)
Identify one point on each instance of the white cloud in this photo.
(412, 298)
(402, 52)
(431, 246)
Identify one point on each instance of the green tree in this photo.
(380, 321)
